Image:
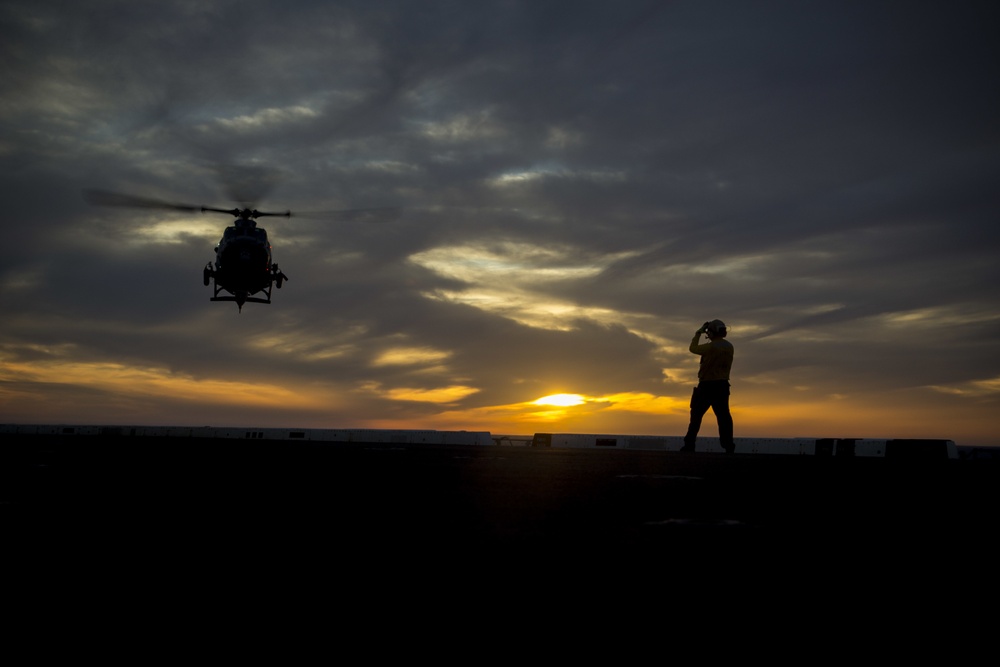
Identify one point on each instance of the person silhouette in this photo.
(713, 385)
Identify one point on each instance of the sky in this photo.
(563, 193)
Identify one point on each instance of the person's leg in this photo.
(720, 406)
(701, 401)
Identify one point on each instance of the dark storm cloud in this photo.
(579, 184)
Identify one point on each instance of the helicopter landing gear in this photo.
(243, 286)
(279, 277)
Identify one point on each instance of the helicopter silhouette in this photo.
(243, 264)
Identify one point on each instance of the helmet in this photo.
(716, 327)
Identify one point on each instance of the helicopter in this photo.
(243, 264)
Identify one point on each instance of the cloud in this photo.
(561, 197)
(409, 356)
(156, 383)
(986, 389)
(452, 394)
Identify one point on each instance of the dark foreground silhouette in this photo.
(162, 535)
(374, 499)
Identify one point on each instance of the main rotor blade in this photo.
(230, 211)
(242, 212)
(106, 198)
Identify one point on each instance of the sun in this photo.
(561, 400)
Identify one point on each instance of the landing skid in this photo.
(249, 299)
(277, 277)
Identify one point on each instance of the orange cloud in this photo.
(123, 379)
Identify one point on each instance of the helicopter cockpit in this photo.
(243, 233)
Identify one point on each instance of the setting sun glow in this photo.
(561, 400)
